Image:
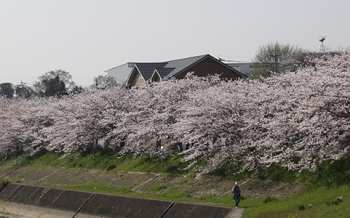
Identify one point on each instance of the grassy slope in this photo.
(321, 197)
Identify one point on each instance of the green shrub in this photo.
(231, 169)
(171, 169)
(301, 207)
(276, 173)
(269, 199)
(337, 201)
(333, 173)
(111, 167)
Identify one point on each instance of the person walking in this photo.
(236, 193)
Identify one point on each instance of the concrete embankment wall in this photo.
(32, 201)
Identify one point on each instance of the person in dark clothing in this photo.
(236, 193)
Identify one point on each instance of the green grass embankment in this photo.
(311, 202)
(327, 191)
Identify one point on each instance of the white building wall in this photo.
(121, 73)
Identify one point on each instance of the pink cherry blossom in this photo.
(303, 114)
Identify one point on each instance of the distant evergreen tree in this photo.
(77, 89)
(54, 83)
(54, 87)
(23, 91)
(7, 90)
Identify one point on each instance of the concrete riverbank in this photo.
(33, 201)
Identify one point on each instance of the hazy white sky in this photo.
(87, 37)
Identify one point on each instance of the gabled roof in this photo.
(181, 64)
(172, 68)
(163, 72)
(147, 69)
(166, 69)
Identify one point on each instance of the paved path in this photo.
(237, 213)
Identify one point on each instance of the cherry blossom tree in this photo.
(296, 119)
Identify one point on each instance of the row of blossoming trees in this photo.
(295, 119)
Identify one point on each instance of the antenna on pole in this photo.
(322, 38)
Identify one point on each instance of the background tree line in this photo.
(53, 83)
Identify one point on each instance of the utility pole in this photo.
(275, 62)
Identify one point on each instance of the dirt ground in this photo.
(145, 182)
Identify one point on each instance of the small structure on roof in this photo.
(203, 65)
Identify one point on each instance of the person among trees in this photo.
(236, 193)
